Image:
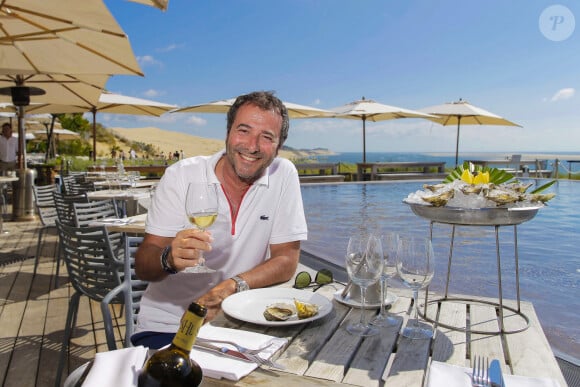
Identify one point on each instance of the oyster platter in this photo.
(473, 195)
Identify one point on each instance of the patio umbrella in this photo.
(462, 112)
(222, 106)
(63, 37)
(108, 103)
(367, 109)
(161, 4)
(57, 38)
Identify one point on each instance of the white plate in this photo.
(249, 306)
(391, 298)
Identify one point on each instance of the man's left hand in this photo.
(212, 300)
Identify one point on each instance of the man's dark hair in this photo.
(264, 100)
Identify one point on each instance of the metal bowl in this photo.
(475, 216)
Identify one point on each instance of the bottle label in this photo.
(188, 329)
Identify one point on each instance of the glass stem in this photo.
(363, 294)
(415, 306)
(383, 296)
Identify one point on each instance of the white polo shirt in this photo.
(271, 212)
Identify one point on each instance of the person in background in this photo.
(255, 240)
(8, 149)
(132, 154)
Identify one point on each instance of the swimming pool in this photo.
(548, 247)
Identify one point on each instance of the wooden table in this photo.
(322, 353)
(505, 162)
(570, 162)
(135, 225)
(417, 168)
(129, 199)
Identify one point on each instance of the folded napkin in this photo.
(447, 375)
(116, 368)
(218, 367)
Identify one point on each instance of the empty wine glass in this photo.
(415, 266)
(389, 243)
(364, 264)
(201, 207)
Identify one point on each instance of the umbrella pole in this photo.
(457, 142)
(94, 133)
(364, 139)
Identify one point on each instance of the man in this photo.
(8, 149)
(255, 241)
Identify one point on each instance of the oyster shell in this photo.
(434, 187)
(542, 197)
(440, 199)
(471, 189)
(305, 310)
(279, 312)
(502, 197)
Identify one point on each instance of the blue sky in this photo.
(519, 59)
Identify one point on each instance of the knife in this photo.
(225, 351)
(495, 374)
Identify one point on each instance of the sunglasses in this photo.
(304, 280)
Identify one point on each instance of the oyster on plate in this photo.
(305, 310)
(279, 312)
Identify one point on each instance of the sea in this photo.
(549, 262)
(449, 158)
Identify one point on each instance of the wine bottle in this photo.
(172, 366)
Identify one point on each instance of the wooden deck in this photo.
(33, 313)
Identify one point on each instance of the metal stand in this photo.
(499, 306)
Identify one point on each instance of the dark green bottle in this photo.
(172, 366)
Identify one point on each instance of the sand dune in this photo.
(168, 142)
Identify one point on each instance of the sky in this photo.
(519, 59)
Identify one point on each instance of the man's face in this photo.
(252, 143)
(7, 131)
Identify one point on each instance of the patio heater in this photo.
(22, 195)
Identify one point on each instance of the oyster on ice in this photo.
(279, 312)
(439, 199)
(501, 197)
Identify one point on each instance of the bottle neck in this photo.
(188, 330)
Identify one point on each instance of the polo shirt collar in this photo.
(212, 178)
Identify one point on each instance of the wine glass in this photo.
(389, 243)
(415, 266)
(364, 264)
(201, 207)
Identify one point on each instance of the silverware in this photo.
(495, 374)
(225, 351)
(480, 376)
(240, 348)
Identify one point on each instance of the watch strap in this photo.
(164, 263)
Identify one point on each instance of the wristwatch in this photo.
(241, 285)
(164, 263)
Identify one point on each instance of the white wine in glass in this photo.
(201, 207)
(416, 267)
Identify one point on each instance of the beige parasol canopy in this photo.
(63, 37)
(108, 103)
(462, 112)
(161, 4)
(367, 109)
(222, 106)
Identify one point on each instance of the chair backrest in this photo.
(134, 287)
(93, 268)
(64, 206)
(44, 203)
(86, 213)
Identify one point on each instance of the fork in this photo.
(267, 362)
(240, 348)
(480, 374)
